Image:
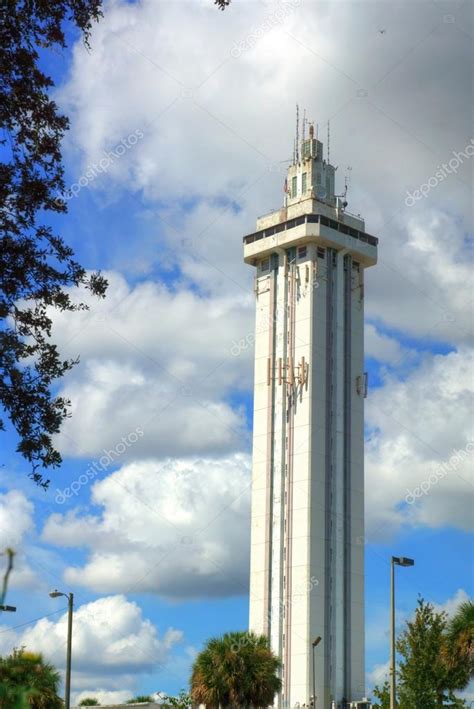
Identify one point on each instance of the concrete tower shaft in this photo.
(307, 551)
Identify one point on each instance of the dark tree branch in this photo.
(37, 268)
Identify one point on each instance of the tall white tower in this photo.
(307, 549)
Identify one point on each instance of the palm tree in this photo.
(27, 682)
(458, 650)
(236, 670)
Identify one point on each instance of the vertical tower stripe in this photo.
(347, 473)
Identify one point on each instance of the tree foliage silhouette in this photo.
(37, 268)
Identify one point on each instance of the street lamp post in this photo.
(315, 643)
(396, 561)
(70, 599)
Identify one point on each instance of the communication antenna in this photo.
(343, 196)
(329, 138)
(304, 124)
(347, 180)
(297, 132)
(311, 139)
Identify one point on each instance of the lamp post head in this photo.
(316, 641)
(56, 593)
(403, 561)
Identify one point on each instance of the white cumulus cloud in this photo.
(112, 642)
(419, 424)
(177, 528)
(158, 359)
(217, 135)
(382, 347)
(16, 525)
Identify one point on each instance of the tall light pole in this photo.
(70, 600)
(315, 644)
(396, 561)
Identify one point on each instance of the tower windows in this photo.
(321, 252)
(294, 186)
(303, 182)
(265, 264)
(302, 251)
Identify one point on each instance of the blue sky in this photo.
(213, 96)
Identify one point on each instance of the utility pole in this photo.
(70, 605)
(314, 644)
(396, 561)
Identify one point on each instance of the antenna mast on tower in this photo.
(297, 133)
(346, 181)
(329, 136)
